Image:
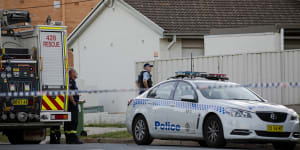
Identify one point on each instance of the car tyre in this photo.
(213, 132)
(140, 130)
(202, 143)
(284, 145)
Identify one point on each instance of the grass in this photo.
(115, 135)
(3, 139)
(107, 125)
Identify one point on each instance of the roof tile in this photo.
(198, 16)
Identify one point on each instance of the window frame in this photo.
(195, 92)
(172, 93)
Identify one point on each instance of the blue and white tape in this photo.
(258, 85)
(61, 92)
(76, 92)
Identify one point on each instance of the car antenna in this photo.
(192, 65)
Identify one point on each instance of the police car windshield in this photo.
(218, 91)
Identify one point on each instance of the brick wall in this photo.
(70, 59)
(71, 13)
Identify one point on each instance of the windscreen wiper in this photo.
(245, 99)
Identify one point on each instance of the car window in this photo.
(183, 89)
(163, 91)
(226, 93)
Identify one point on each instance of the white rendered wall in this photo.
(174, 52)
(241, 43)
(105, 55)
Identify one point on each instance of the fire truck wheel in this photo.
(15, 137)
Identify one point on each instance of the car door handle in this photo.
(172, 105)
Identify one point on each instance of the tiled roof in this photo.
(199, 16)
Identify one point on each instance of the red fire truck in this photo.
(31, 61)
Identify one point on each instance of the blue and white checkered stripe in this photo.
(180, 105)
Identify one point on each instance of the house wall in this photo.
(105, 54)
(181, 48)
(173, 52)
(241, 43)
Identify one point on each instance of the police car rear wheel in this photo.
(141, 131)
(213, 132)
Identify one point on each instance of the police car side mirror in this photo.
(188, 98)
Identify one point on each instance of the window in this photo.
(163, 91)
(192, 46)
(227, 93)
(291, 44)
(184, 89)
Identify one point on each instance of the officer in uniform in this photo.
(144, 80)
(71, 127)
(55, 135)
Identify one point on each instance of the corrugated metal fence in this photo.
(264, 67)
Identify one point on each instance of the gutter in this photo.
(172, 42)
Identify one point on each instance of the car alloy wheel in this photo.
(141, 133)
(140, 130)
(213, 132)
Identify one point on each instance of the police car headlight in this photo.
(234, 112)
(294, 117)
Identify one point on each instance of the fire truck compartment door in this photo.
(52, 57)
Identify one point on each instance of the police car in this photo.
(198, 109)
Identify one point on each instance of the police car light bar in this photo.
(209, 76)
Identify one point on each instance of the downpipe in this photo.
(172, 42)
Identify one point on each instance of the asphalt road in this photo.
(109, 147)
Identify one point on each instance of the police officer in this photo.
(144, 81)
(71, 127)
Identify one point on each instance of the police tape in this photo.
(78, 92)
(256, 85)
(62, 92)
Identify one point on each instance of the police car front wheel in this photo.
(141, 133)
(213, 132)
(284, 145)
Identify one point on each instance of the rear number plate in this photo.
(275, 128)
(20, 102)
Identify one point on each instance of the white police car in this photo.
(195, 109)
